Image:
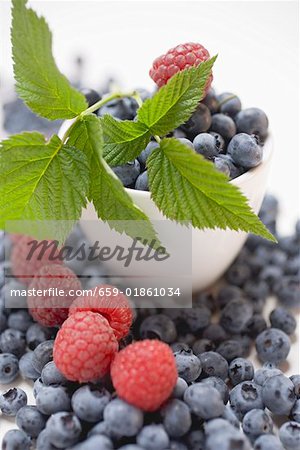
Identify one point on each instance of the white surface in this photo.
(258, 49)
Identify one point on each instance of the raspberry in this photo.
(177, 59)
(25, 265)
(50, 309)
(115, 308)
(144, 374)
(84, 347)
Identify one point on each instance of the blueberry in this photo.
(271, 274)
(197, 318)
(215, 333)
(128, 172)
(186, 142)
(3, 321)
(51, 375)
(269, 209)
(216, 426)
(141, 183)
(288, 291)
(240, 369)
(230, 416)
(12, 400)
(26, 368)
(144, 155)
(19, 320)
(12, 341)
(235, 316)
(123, 418)
(153, 437)
(263, 374)
(223, 125)
(230, 349)
(104, 429)
(30, 420)
(123, 109)
(89, 402)
(238, 274)
(177, 418)
(180, 388)
(284, 320)
(195, 440)
(229, 104)
(246, 396)
(188, 365)
(206, 144)
(252, 121)
(43, 441)
(158, 326)
(222, 166)
(131, 447)
(42, 354)
(91, 96)
(211, 101)
(289, 434)
(97, 442)
(267, 442)
(64, 429)
(295, 379)
(174, 445)
(272, 345)
(255, 325)
(16, 440)
(279, 395)
(37, 386)
(228, 293)
(199, 122)
(36, 334)
(219, 385)
(227, 439)
(295, 413)
(234, 170)
(9, 368)
(203, 345)
(213, 364)
(257, 422)
(245, 150)
(205, 401)
(52, 399)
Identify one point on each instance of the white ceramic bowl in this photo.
(212, 250)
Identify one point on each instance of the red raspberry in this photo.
(50, 309)
(115, 308)
(84, 347)
(177, 59)
(144, 374)
(24, 267)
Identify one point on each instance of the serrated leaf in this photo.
(42, 181)
(38, 81)
(175, 102)
(185, 186)
(123, 140)
(107, 193)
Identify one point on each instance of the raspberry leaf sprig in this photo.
(52, 181)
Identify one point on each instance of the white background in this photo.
(257, 43)
(258, 48)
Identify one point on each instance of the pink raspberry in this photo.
(25, 265)
(52, 309)
(115, 308)
(144, 374)
(84, 347)
(176, 59)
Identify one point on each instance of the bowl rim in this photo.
(238, 181)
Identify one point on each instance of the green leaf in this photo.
(42, 181)
(111, 201)
(123, 140)
(38, 81)
(175, 102)
(185, 186)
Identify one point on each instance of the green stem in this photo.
(157, 138)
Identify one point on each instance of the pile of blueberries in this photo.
(220, 401)
(219, 130)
